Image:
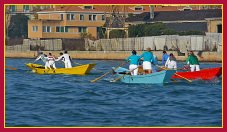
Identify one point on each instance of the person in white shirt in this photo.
(171, 62)
(66, 58)
(44, 58)
(51, 61)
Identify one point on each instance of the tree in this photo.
(18, 26)
(7, 21)
(117, 33)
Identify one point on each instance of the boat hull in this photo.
(204, 74)
(78, 70)
(154, 78)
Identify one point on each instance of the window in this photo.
(70, 16)
(219, 28)
(66, 29)
(88, 7)
(62, 29)
(62, 16)
(103, 17)
(34, 28)
(13, 8)
(138, 8)
(46, 29)
(90, 17)
(81, 17)
(57, 29)
(82, 29)
(94, 17)
(26, 8)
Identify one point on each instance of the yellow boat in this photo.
(78, 70)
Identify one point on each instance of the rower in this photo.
(147, 57)
(193, 61)
(134, 61)
(51, 61)
(154, 62)
(44, 58)
(67, 59)
(165, 56)
(171, 62)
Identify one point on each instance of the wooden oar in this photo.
(11, 68)
(183, 77)
(124, 75)
(106, 73)
(164, 68)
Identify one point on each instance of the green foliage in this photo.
(130, 15)
(191, 33)
(101, 33)
(169, 32)
(18, 26)
(156, 29)
(117, 34)
(136, 30)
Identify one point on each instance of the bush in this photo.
(156, 29)
(191, 33)
(117, 34)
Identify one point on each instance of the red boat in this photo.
(204, 74)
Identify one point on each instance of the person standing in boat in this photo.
(51, 61)
(66, 58)
(171, 62)
(154, 62)
(44, 58)
(134, 62)
(147, 57)
(193, 61)
(165, 56)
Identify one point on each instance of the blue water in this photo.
(69, 100)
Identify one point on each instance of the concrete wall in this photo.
(210, 42)
(202, 56)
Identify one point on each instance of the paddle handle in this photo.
(183, 77)
(124, 74)
(106, 73)
(10, 67)
(100, 77)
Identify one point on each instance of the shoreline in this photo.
(204, 56)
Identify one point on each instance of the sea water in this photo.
(73, 101)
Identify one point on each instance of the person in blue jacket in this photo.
(147, 57)
(134, 62)
(165, 56)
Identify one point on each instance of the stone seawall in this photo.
(111, 55)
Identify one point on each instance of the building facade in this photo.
(71, 21)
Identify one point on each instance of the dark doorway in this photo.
(219, 27)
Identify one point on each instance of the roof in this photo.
(193, 15)
(188, 26)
